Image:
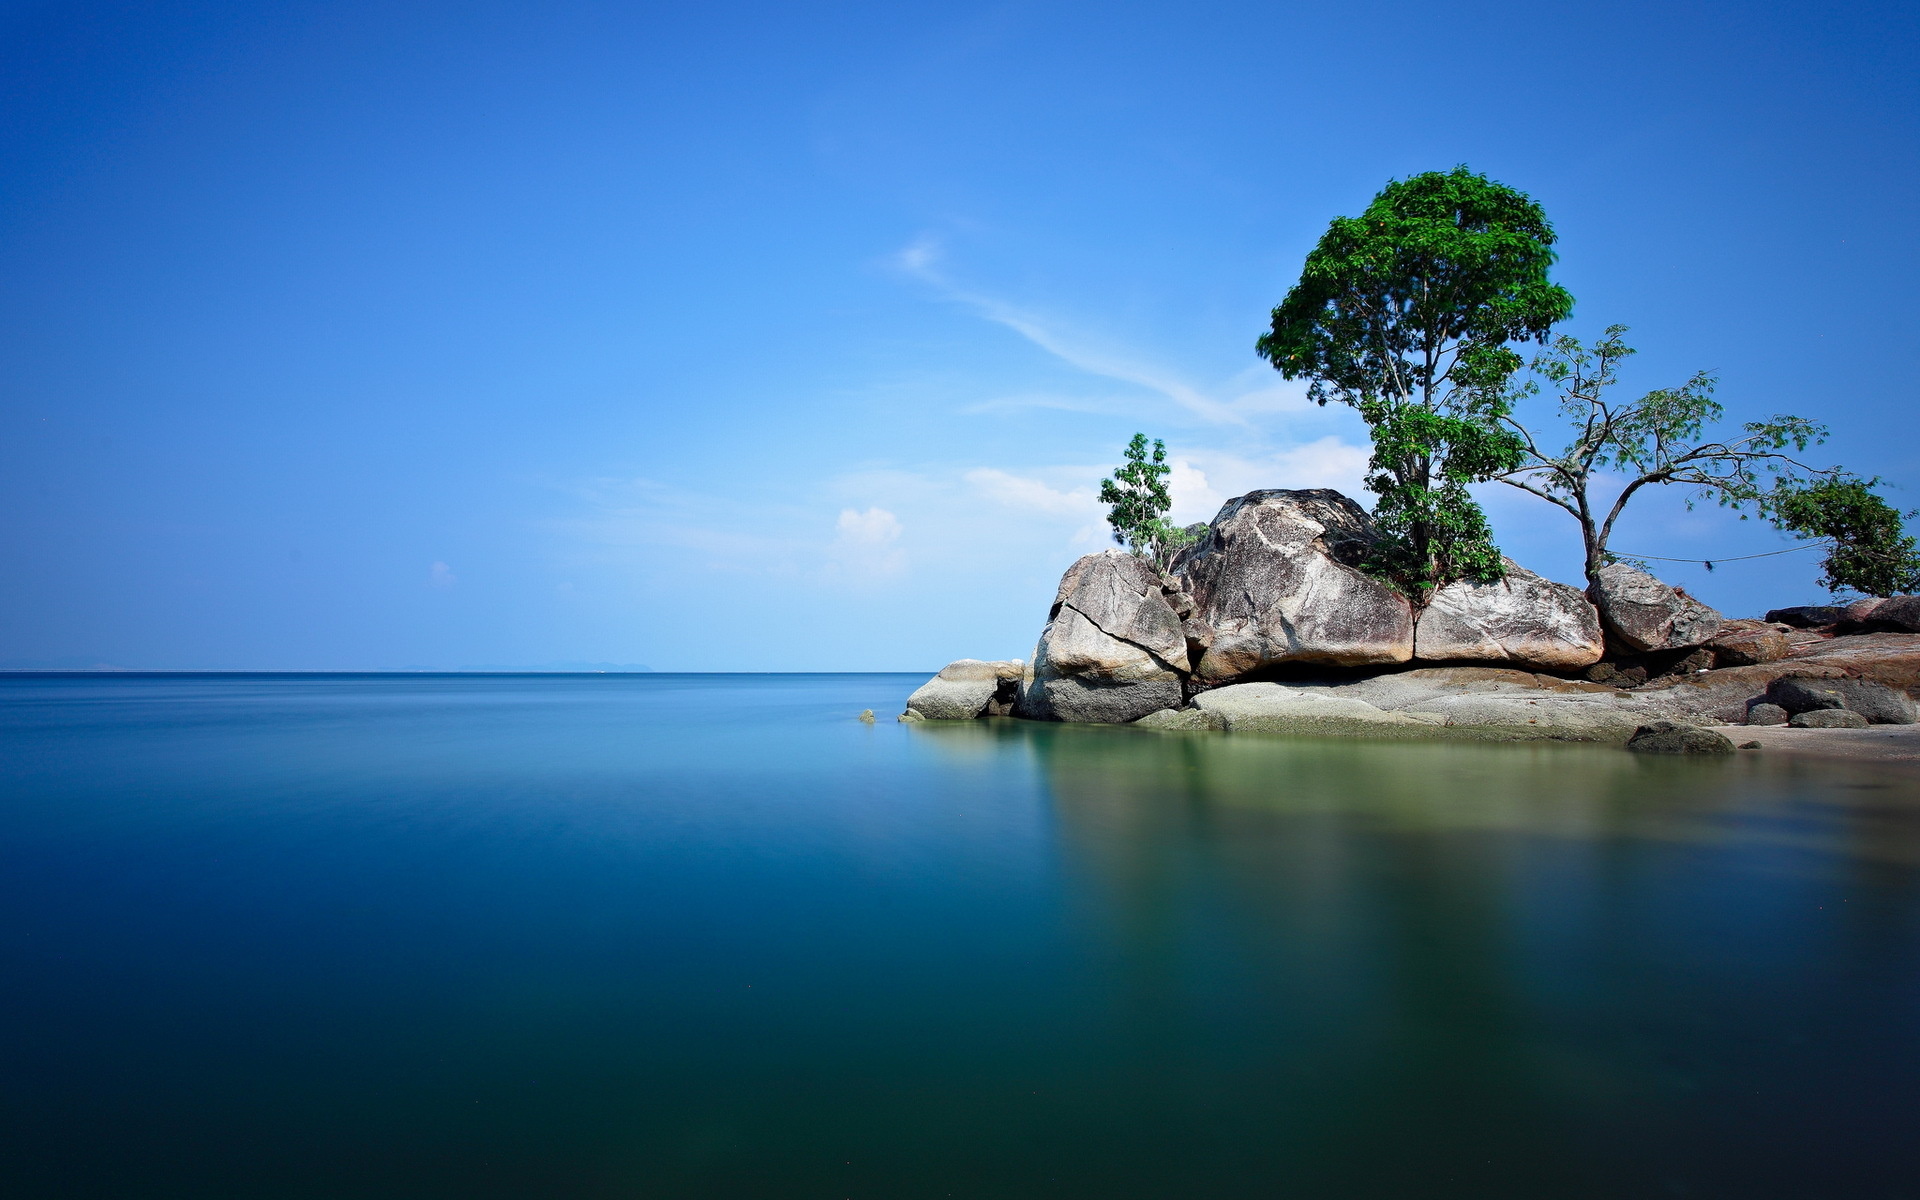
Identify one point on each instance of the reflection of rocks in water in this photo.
(1118, 779)
(1466, 944)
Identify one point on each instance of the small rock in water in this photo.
(1828, 718)
(1672, 737)
(1749, 745)
(866, 716)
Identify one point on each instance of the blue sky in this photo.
(749, 337)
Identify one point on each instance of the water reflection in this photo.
(1455, 969)
(1131, 779)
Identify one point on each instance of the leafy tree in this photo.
(1138, 501)
(1660, 439)
(1405, 313)
(1871, 552)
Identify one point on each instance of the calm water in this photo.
(708, 936)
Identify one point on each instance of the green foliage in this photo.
(1871, 552)
(1138, 500)
(1656, 440)
(1405, 313)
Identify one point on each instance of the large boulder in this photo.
(1645, 614)
(1901, 614)
(1876, 702)
(1276, 580)
(1862, 609)
(1113, 649)
(1809, 616)
(1828, 718)
(1748, 643)
(1523, 619)
(967, 689)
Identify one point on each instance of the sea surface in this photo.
(711, 936)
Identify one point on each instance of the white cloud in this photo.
(1031, 495)
(866, 544)
(441, 575)
(1212, 476)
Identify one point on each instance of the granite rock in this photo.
(1673, 737)
(968, 688)
(1113, 649)
(1523, 620)
(1748, 643)
(1828, 718)
(1277, 581)
(1899, 614)
(1808, 616)
(1645, 614)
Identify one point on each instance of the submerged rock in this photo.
(1276, 580)
(1672, 737)
(1524, 620)
(1645, 614)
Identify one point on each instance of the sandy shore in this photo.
(1894, 745)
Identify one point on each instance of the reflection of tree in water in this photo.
(1342, 961)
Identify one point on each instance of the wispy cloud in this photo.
(1019, 491)
(922, 260)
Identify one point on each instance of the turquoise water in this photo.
(709, 936)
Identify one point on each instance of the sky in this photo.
(737, 337)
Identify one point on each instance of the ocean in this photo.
(711, 936)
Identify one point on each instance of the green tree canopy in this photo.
(1138, 500)
(1406, 313)
(1871, 551)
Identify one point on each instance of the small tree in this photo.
(1405, 313)
(1138, 501)
(1658, 440)
(1871, 552)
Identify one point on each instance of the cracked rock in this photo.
(1277, 580)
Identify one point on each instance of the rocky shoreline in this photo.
(1268, 625)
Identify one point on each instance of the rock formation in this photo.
(1523, 620)
(1276, 580)
(1875, 702)
(1901, 614)
(1645, 614)
(1268, 624)
(1748, 643)
(1113, 649)
(967, 689)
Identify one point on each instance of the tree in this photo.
(1405, 313)
(1138, 501)
(1870, 553)
(1658, 440)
